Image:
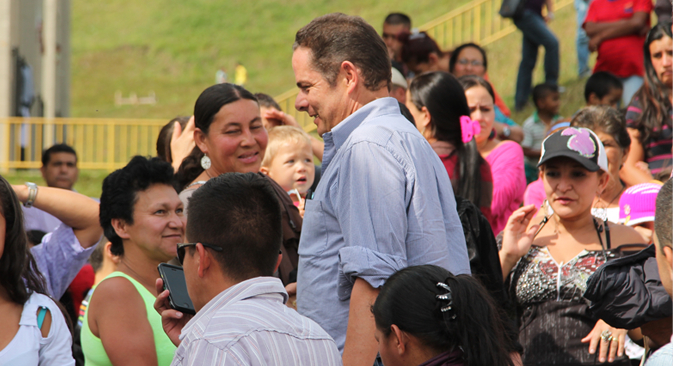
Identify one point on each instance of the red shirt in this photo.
(451, 160)
(622, 56)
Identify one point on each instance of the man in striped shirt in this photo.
(234, 225)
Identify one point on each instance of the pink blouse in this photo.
(509, 182)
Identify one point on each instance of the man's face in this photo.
(326, 103)
(665, 264)
(390, 33)
(61, 170)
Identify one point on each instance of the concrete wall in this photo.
(20, 33)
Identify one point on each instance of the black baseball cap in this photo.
(577, 143)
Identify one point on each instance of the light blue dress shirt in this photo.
(384, 202)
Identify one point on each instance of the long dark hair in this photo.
(19, 275)
(459, 49)
(409, 300)
(653, 95)
(444, 98)
(207, 105)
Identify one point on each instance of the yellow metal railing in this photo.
(100, 143)
(477, 22)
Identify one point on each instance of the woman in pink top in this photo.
(504, 157)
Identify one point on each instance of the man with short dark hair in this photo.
(234, 229)
(664, 247)
(384, 201)
(394, 25)
(59, 170)
(59, 166)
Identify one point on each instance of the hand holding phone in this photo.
(172, 320)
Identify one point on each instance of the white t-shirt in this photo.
(29, 348)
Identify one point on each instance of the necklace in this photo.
(617, 195)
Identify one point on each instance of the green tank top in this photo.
(94, 353)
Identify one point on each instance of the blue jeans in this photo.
(535, 33)
(631, 86)
(581, 39)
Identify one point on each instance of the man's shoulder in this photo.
(245, 320)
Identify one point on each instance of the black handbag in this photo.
(511, 8)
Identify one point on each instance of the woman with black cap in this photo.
(548, 264)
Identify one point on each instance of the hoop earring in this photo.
(205, 162)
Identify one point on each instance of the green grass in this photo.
(174, 47)
(504, 57)
(90, 182)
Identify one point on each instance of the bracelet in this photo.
(506, 131)
(32, 194)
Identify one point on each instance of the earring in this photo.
(205, 162)
(600, 212)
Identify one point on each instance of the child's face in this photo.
(292, 167)
(611, 99)
(550, 103)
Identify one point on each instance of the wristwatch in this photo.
(506, 131)
(32, 193)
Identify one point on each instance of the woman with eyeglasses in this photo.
(426, 316)
(422, 54)
(142, 216)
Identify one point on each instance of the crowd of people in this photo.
(434, 230)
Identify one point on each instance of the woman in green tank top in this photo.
(142, 216)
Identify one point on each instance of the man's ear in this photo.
(121, 228)
(280, 258)
(43, 170)
(204, 260)
(668, 255)
(350, 75)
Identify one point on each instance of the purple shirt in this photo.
(60, 257)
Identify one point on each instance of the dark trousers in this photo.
(535, 34)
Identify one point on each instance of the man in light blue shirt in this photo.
(384, 201)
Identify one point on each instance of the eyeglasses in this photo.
(475, 63)
(182, 246)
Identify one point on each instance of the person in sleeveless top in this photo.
(230, 138)
(142, 216)
(33, 331)
(547, 265)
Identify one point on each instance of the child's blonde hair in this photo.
(280, 135)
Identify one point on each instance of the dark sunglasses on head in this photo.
(182, 246)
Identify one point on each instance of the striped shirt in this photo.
(658, 147)
(248, 324)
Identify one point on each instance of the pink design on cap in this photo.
(580, 141)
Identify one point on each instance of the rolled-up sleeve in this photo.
(372, 266)
(59, 258)
(371, 201)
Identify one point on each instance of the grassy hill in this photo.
(174, 47)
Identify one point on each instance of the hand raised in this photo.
(182, 142)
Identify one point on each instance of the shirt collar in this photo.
(258, 286)
(536, 117)
(335, 138)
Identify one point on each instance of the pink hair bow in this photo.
(469, 128)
